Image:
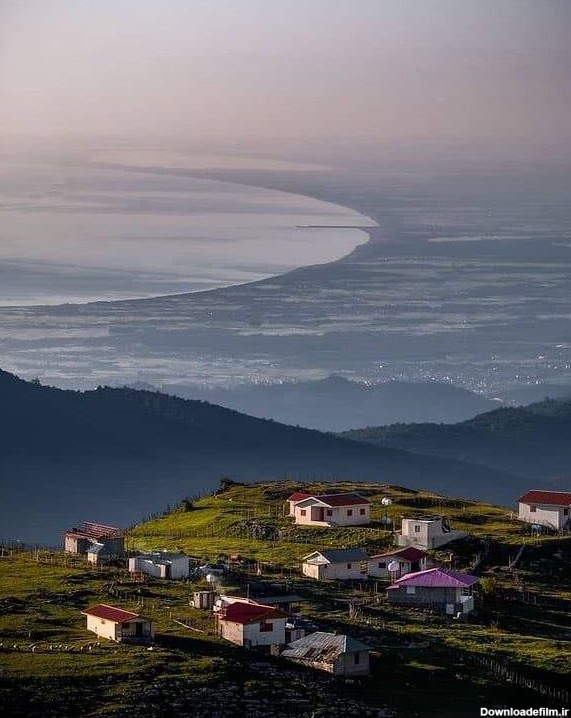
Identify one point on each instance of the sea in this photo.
(107, 229)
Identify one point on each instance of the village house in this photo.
(102, 553)
(81, 540)
(251, 624)
(294, 498)
(331, 652)
(546, 508)
(427, 532)
(119, 625)
(397, 563)
(161, 564)
(349, 509)
(438, 589)
(345, 564)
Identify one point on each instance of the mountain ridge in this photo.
(531, 441)
(114, 455)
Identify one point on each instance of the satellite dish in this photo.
(386, 501)
(394, 567)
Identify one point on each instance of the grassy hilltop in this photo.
(51, 666)
(220, 522)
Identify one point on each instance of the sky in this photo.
(374, 69)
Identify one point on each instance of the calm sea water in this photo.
(82, 233)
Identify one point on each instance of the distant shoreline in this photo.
(197, 174)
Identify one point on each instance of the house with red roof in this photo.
(251, 624)
(294, 498)
(396, 563)
(119, 625)
(346, 509)
(546, 508)
(438, 589)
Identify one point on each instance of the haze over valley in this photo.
(330, 214)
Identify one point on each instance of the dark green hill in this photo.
(116, 455)
(532, 441)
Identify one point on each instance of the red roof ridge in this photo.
(348, 498)
(298, 495)
(240, 612)
(545, 496)
(110, 613)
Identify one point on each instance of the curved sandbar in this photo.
(75, 234)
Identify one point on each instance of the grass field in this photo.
(50, 665)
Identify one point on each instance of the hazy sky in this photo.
(387, 69)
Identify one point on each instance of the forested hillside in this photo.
(532, 441)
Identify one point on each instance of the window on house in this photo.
(382, 564)
(329, 512)
(349, 565)
(266, 627)
(349, 512)
(362, 512)
(411, 589)
(303, 512)
(357, 658)
(533, 509)
(565, 512)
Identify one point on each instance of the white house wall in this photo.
(544, 514)
(404, 566)
(332, 571)
(102, 627)
(249, 634)
(425, 534)
(178, 567)
(347, 666)
(256, 637)
(138, 564)
(318, 515)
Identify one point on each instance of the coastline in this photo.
(247, 269)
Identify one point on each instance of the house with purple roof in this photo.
(437, 589)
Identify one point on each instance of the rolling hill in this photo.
(116, 455)
(531, 441)
(336, 404)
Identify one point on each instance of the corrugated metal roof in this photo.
(555, 498)
(322, 647)
(91, 530)
(342, 555)
(110, 613)
(436, 578)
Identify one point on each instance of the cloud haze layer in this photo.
(379, 69)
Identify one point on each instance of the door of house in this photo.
(320, 514)
(138, 629)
